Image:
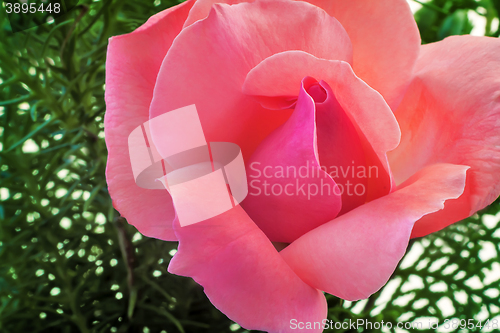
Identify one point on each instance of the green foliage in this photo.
(68, 263)
(438, 19)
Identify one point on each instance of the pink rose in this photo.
(325, 85)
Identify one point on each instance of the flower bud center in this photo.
(317, 93)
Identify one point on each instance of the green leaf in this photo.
(30, 135)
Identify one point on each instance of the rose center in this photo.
(317, 92)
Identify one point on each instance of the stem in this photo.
(129, 258)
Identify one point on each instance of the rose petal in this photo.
(202, 8)
(384, 36)
(451, 114)
(209, 61)
(243, 275)
(354, 255)
(340, 151)
(289, 193)
(385, 42)
(132, 64)
(373, 119)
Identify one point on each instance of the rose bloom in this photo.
(321, 84)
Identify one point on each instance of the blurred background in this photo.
(68, 263)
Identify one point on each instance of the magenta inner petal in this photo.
(317, 92)
(340, 149)
(289, 193)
